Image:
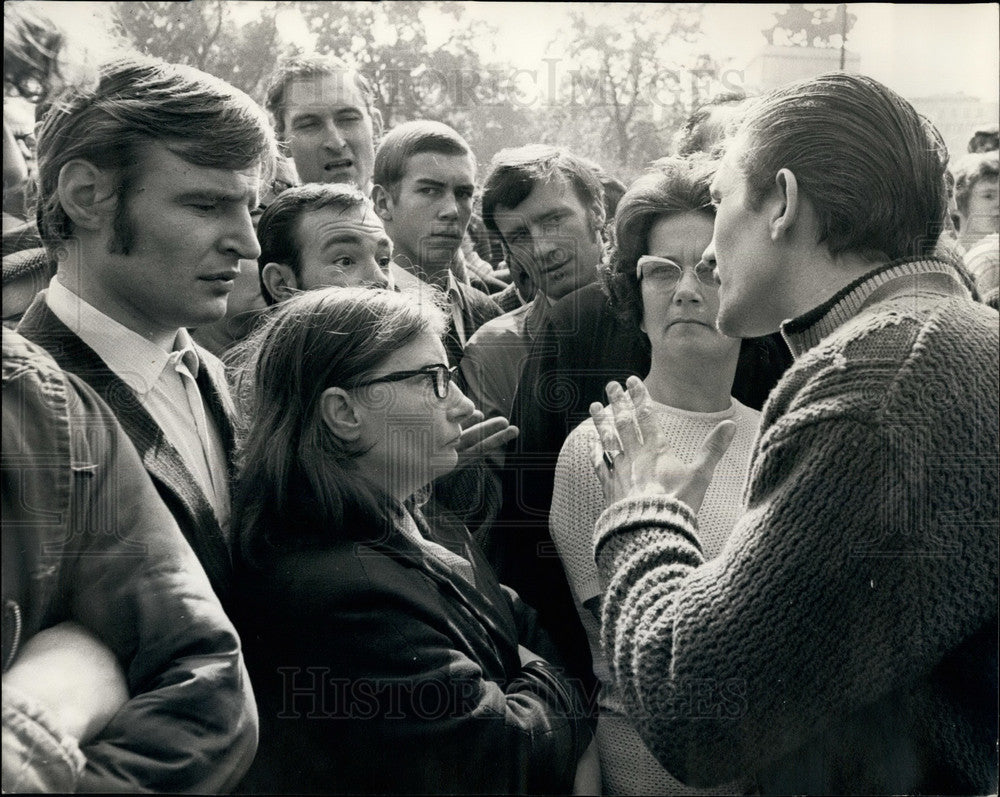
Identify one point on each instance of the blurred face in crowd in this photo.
(554, 236)
(982, 216)
(679, 308)
(428, 212)
(410, 434)
(15, 161)
(18, 154)
(192, 227)
(329, 130)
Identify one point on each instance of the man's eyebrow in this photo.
(342, 237)
(214, 195)
(550, 213)
(429, 181)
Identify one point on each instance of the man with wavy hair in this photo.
(121, 671)
(845, 640)
(146, 185)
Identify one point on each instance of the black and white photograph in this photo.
(436, 397)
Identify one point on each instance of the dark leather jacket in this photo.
(87, 538)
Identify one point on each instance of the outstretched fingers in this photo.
(606, 432)
(702, 468)
(645, 420)
(484, 437)
(620, 405)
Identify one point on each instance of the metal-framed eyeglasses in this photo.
(440, 374)
(667, 273)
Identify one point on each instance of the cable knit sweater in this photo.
(845, 641)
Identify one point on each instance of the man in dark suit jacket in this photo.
(425, 179)
(147, 181)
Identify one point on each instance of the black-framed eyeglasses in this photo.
(441, 376)
(667, 273)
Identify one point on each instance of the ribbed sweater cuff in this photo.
(42, 757)
(633, 514)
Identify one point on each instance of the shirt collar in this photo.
(408, 281)
(807, 330)
(138, 362)
(185, 352)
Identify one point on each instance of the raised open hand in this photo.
(634, 457)
(480, 437)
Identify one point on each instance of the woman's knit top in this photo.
(627, 766)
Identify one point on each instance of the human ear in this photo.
(87, 194)
(382, 199)
(786, 211)
(279, 280)
(340, 414)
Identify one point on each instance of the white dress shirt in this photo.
(407, 282)
(165, 384)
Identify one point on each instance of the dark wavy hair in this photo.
(297, 481)
(673, 186)
(515, 172)
(138, 101)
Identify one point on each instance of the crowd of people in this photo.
(329, 467)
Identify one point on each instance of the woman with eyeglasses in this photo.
(658, 281)
(385, 657)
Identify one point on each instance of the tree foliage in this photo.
(800, 25)
(204, 34)
(418, 73)
(612, 93)
(626, 96)
(390, 44)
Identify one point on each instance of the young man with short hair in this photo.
(845, 640)
(147, 184)
(425, 179)
(319, 235)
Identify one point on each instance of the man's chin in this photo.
(559, 284)
(343, 177)
(207, 314)
(440, 251)
(734, 324)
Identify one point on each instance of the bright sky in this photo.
(917, 49)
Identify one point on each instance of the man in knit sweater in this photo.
(845, 640)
